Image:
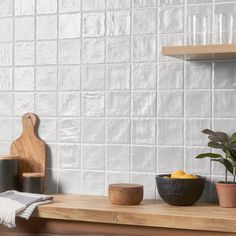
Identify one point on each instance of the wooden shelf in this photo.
(152, 213)
(201, 52)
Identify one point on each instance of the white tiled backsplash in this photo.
(112, 108)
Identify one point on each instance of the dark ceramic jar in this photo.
(9, 173)
(180, 192)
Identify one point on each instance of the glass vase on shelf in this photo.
(224, 30)
(198, 30)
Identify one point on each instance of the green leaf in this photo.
(216, 145)
(233, 138)
(208, 131)
(228, 165)
(217, 136)
(209, 154)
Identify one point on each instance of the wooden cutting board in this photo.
(29, 147)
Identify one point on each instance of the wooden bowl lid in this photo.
(33, 174)
(125, 186)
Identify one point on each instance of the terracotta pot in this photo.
(226, 194)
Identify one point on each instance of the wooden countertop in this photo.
(152, 213)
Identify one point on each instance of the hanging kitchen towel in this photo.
(22, 204)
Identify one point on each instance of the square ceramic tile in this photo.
(118, 76)
(224, 76)
(200, 100)
(6, 54)
(93, 104)
(69, 51)
(69, 77)
(144, 159)
(170, 104)
(144, 131)
(170, 159)
(197, 166)
(47, 27)
(93, 157)
(93, 182)
(69, 103)
(69, 5)
(93, 130)
(23, 103)
(6, 26)
(46, 78)
(118, 49)
(118, 157)
(46, 52)
(24, 53)
(223, 102)
(5, 135)
(5, 79)
(69, 25)
(118, 4)
(45, 6)
(144, 48)
(69, 156)
(69, 181)
(144, 76)
(171, 20)
(118, 104)
(118, 131)
(199, 75)
(6, 104)
(171, 76)
(24, 78)
(93, 77)
(46, 103)
(144, 3)
(93, 24)
(93, 50)
(6, 8)
(144, 104)
(69, 130)
(145, 21)
(193, 134)
(148, 182)
(171, 132)
(4, 148)
(27, 31)
(22, 7)
(93, 5)
(48, 129)
(118, 23)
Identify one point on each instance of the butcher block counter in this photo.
(90, 215)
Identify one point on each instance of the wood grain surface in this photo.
(152, 213)
(201, 52)
(29, 147)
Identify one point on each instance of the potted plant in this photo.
(226, 190)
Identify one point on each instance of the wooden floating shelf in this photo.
(201, 52)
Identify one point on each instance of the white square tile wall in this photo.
(112, 108)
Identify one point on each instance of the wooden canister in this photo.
(9, 173)
(125, 194)
(33, 182)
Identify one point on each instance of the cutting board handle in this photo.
(30, 123)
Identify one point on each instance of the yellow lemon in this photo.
(188, 176)
(177, 174)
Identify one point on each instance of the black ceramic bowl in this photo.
(180, 192)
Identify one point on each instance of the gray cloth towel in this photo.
(14, 203)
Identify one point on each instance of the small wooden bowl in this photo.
(125, 194)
